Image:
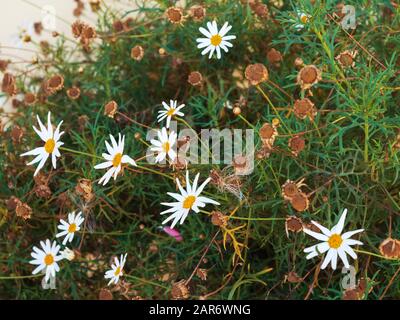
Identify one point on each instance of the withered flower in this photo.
(261, 10)
(82, 121)
(110, 109)
(4, 64)
(197, 12)
(304, 108)
(12, 203)
(180, 290)
(41, 188)
(298, 62)
(274, 56)
(9, 84)
(296, 145)
(54, 84)
(195, 78)
(219, 219)
(308, 76)
(300, 202)
(16, 134)
(137, 53)
(118, 26)
(77, 28)
(202, 273)
(23, 210)
(268, 133)
(293, 224)
(84, 189)
(293, 277)
(256, 73)
(38, 27)
(346, 58)
(105, 294)
(74, 93)
(94, 5)
(390, 248)
(291, 188)
(174, 15)
(30, 98)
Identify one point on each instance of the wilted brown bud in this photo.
(219, 219)
(110, 109)
(293, 277)
(202, 273)
(296, 145)
(23, 210)
(54, 84)
(256, 73)
(38, 27)
(88, 32)
(298, 62)
(274, 56)
(4, 64)
(174, 15)
(197, 12)
(346, 58)
(308, 76)
(94, 5)
(16, 134)
(84, 189)
(30, 99)
(304, 108)
(261, 10)
(77, 28)
(195, 78)
(74, 93)
(137, 53)
(9, 84)
(180, 290)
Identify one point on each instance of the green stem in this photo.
(80, 152)
(146, 281)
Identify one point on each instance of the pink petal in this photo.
(173, 233)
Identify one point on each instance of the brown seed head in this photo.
(30, 98)
(197, 12)
(174, 15)
(219, 219)
(296, 145)
(77, 28)
(195, 78)
(256, 73)
(137, 53)
(308, 76)
(110, 109)
(304, 108)
(346, 58)
(180, 290)
(274, 56)
(74, 93)
(23, 210)
(390, 248)
(300, 202)
(105, 294)
(84, 189)
(293, 224)
(16, 134)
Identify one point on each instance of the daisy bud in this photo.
(237, 111)
(110, 109)
(180, 290)
(174, 15)
(195, 78)
(137, 53)
(308, 76)
(256, 73)
(162, 52)
(137, 136)
(74, 93)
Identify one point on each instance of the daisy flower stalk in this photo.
(116, 269)
(164, 145)
(115, 158)
(51, 145)
(46, 259)
(170, 110)
(215, 40)
(69, 228)
(333, 242)
(187, 200)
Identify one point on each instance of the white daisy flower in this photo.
(69, 228)
(164, 145)
(115, 158)
(46, 259)
(216, 40)
(189, 199)
(302, 20)
(116, 269)
(170, 110)
(334, 242)
(51, 144)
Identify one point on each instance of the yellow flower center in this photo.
(335, 241)
(72, 228)
(117, 159)
(166, 147)
(188, 203)
(49, 145)
(304, 19)
(216, 40)
(48, 260)
(171, 112)
(117, 271)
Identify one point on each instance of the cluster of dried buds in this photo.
(176, 15)
(85, 33)
(291, 191)
(22, 209)
(41, 188)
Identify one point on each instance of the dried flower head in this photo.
(242, 165)
(293, 277)
(137, 53)
(260, 9)
(346, 58)
(195, 78)
(30, 98)
(88, 32)
(54, 84)
(256, 73)
(202, 273)
(293, 224)
(300, 202)
(9, 84)
(110, 109)
(298, 62)
(268, 133)
(84, 189)
(105, 294)
(225, 181)
(4, 64)
(304, 108)
(38, 27)
(197, 12)
(23, 210)
(12, 203)
(274, 56)
(308, 76)
(42, 189)
(174, 15)
(180, 290)
(291, 188)
(77, 28)
(219, 219)
(16, 134)
(390, 248)
(296, 145)
(74, 93)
